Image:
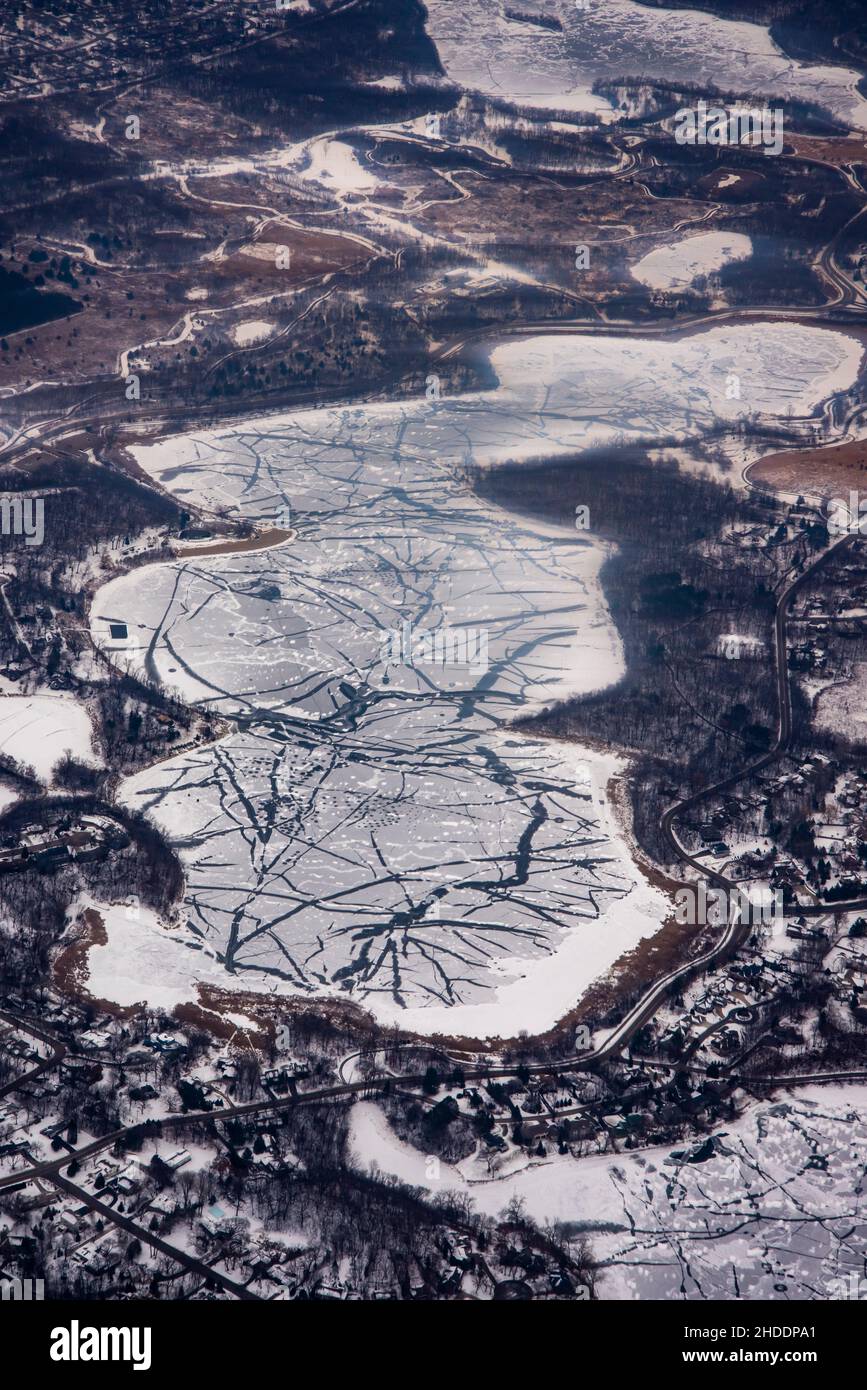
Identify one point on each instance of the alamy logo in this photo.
(444, 646)
(848, 516)
(23, 1290)
(77, 1343)
(696, 905)
(23, 516)
(851, 1286)
(741, 125)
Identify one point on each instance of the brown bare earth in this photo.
(263, 540)
(71, 972)
(312, 253)
(822, 472)
(193, 1015)
(835, 149)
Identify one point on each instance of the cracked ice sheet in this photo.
(776, 1213)
(373, 831)
(482, 51)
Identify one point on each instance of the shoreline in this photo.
(443, 1021)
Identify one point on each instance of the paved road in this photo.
(58, 1052)
(189, 1262)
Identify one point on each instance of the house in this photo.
(277, 1079)
(104, 1260)
(80, 1070)
(458, 1251)
(142, 1093)
(531, 1131)
(637, 1121)
(213, 1219)
(166, 1204)
(727, 1040)
(579, 1127)
(13, 1149)
(89, 852)
(50, 856)
(165, 1044)
(56, 1127)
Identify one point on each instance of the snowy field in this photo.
(777, 1211)
(676, 265)
(128, 970)
(527, 64)
(38, 730)
(375, 831)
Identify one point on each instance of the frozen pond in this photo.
(773, 1208)
(375, 830)
(482, 50)
(680, 262)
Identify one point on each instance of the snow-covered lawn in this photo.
(38, 730)
(335, 164)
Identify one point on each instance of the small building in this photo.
(213, 1219)
(531, 1131)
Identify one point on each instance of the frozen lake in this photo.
(375, 830)
(774, 1213)
(529, 64)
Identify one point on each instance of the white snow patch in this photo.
(335, 164)
(675, 266)
(138, 964)
(254, 331)
(38, 730)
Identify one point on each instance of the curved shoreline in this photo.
(328, 999)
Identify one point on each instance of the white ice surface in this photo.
(680, 262)
(776, 1213)
(483, 51)
(377, 832)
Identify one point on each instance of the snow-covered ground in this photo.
(129, 968)
(776, 1212)
(37, 730)
(376, 831)
(253, 331)
(680, 262)
(840, 707)
(483, 51)
(335, 164)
